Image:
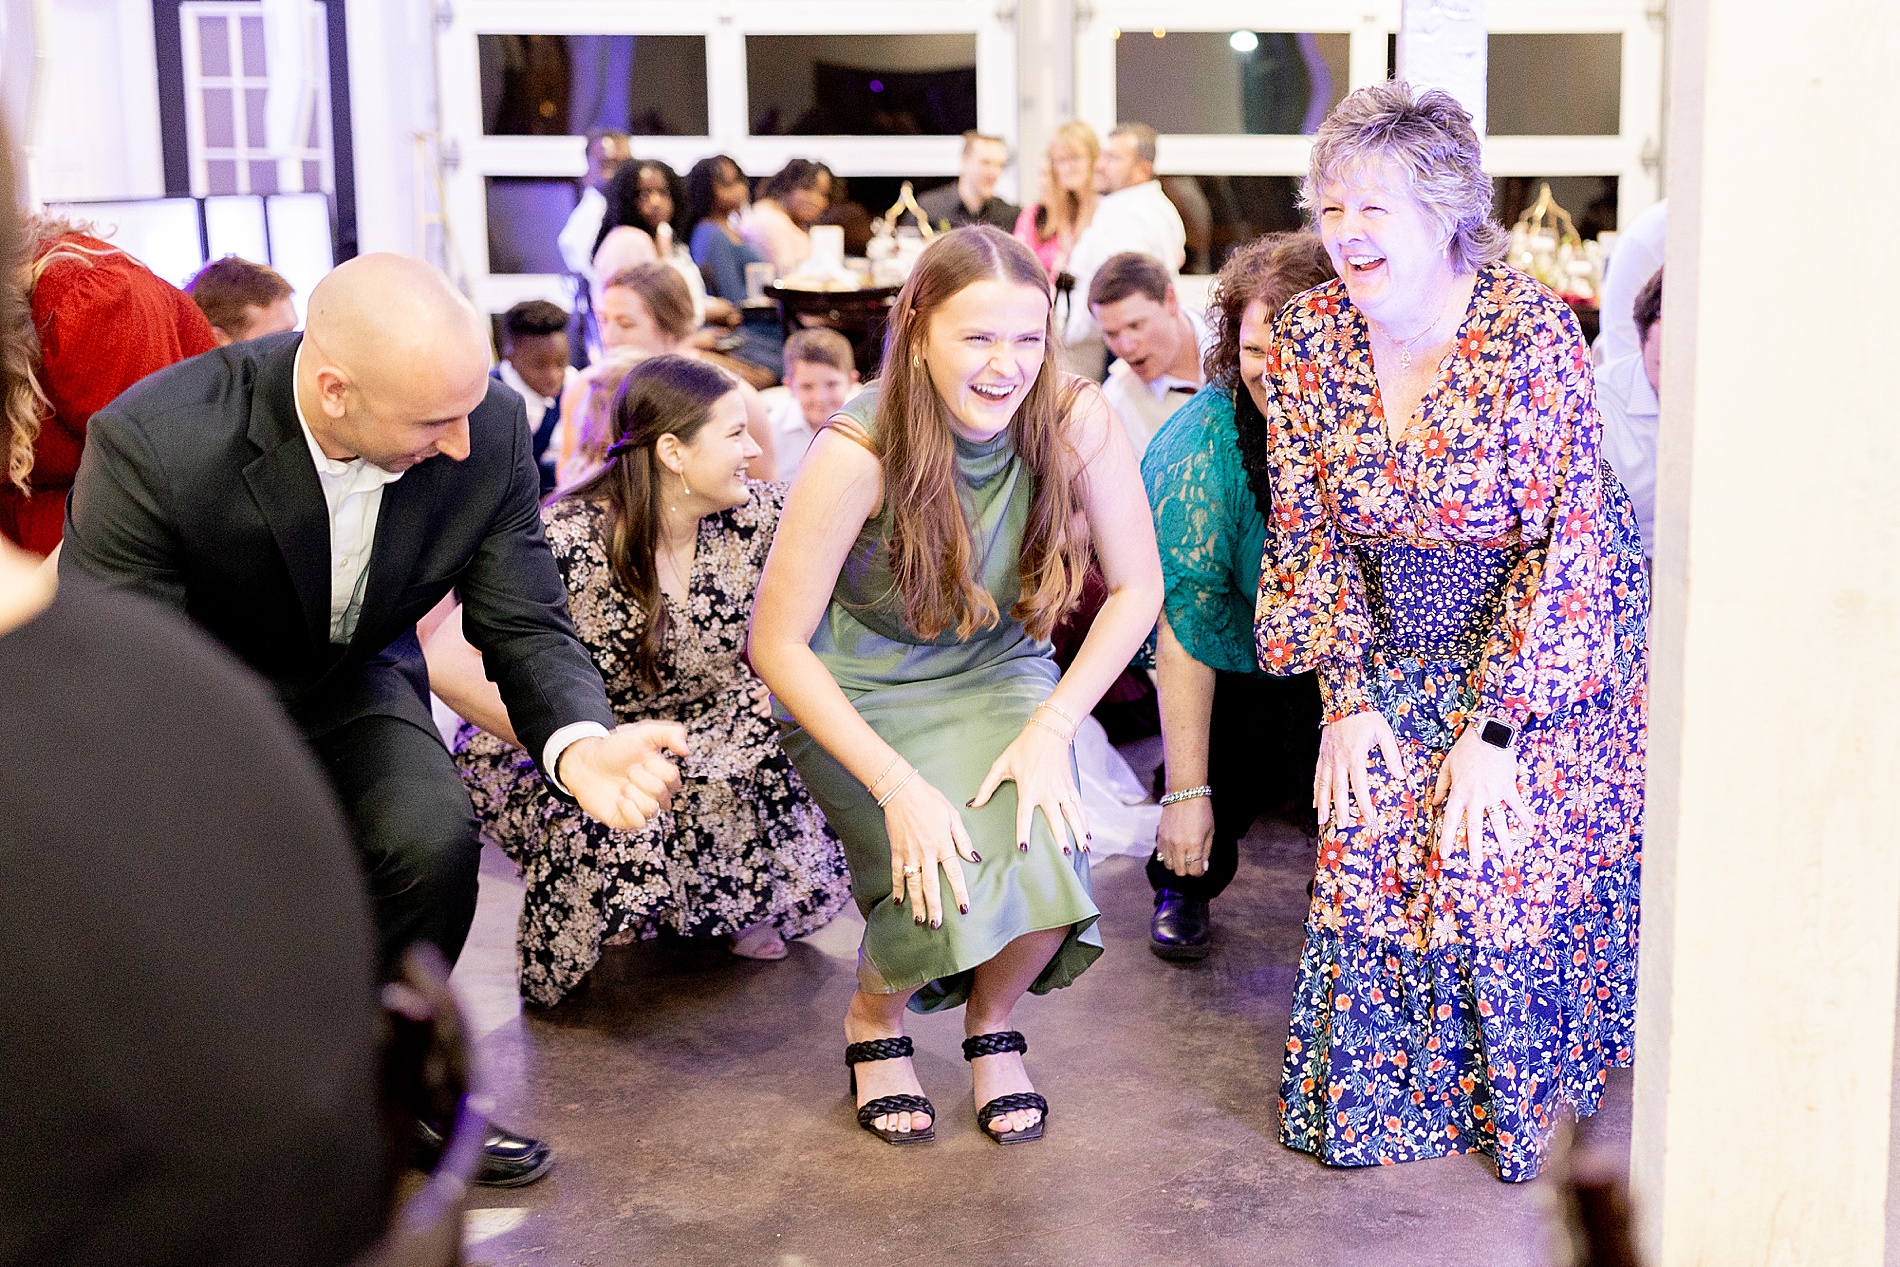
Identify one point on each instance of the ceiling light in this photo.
(1243, 41)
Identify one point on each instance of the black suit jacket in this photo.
(197, 488)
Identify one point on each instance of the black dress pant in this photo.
(414, 829)
(1262, 743)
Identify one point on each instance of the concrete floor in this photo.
(698, 1107)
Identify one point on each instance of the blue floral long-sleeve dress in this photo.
(1485, 562)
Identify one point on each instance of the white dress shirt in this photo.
(582, 227)
(791, 434)
(1138, 218)
(1632, 416)
(1143, 407)
(353, 494)
(1638, 254)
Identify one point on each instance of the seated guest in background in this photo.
(645, 311)
(1065, 199)
(820, 376)
(606, 151)
(535, 363)
(1134, 215)
(242, 300)
(1157, 342)
(1237, 742)
(1627, 398)
(971, 198)
(646, 221)
(661, 550)
(715, 199)
(779, 221)
(307, 498)
(100, 322)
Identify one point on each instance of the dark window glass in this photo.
(525, 216)
(1229, 83)
(1221, 213)
(569, 85)
(861, 85)
(1555, 85)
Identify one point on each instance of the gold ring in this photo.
(913, 870)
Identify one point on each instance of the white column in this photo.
(392, 99)
(1442, 44)
(1045, 80)
(1772, 868)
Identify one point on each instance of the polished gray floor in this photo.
(699, 1110)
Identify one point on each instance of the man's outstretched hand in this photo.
(625, 778)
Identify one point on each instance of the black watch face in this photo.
(1497, 734)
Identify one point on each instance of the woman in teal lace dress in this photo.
(926, 551)
(1238, 741)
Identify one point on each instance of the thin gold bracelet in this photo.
(885, 799)
(871, 787)
(1053, 707)
(1037, 721)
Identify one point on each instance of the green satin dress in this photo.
(949, 707)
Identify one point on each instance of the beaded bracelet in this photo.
(1186, 794)
(885, 799)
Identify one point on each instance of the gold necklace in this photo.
(1405, 345)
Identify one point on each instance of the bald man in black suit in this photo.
(306, 499)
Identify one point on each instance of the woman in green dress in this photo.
(934, 537)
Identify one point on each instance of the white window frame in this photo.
(725, 25)
(248, 149)
(1632, 155)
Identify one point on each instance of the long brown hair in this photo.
(1059, 210)
(661, 396)
(932, 552)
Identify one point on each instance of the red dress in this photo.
(104, 323)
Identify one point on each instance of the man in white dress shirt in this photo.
(1632, 411)
(606, 151)
(1637, 258)
(1157, 342)
(1134, 215)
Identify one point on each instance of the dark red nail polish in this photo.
(936, 923)
(920, 923)
(1023, 845)
(1065, 851)
(963, 910)
(898, 900)
(970, 804)
(975, 856)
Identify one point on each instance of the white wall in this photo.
(392, 90)
(98, 131)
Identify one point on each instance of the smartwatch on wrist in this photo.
(1499, 734)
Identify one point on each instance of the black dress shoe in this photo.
(1181, 926)
(508, 1160)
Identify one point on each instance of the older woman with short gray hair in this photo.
(1450, 556)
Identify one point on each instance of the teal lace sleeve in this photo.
(1209, 531)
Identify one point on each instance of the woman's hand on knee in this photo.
(1040, 763)
(1342, 776)
(926, 834)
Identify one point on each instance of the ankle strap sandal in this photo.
(888, 1105)
(997, 1044)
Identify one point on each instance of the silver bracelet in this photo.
(1186, 794)
(885, 799)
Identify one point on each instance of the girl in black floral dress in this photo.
(661, 550)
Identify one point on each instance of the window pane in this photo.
(220, 176)
(1555, 85)
(263, 177)
(255, 137)
(861, 85)
(1221, 213)
(214, 45)
(568, 85)
(252, 38)
(220, 128)
(1229, 83)
(525, 215)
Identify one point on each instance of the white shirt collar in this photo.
(360, 473)
(1161, 386)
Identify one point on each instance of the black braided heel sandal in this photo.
(888, 1105)
(996, 1044)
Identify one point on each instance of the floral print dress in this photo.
(1484, 562)
(743, 843)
